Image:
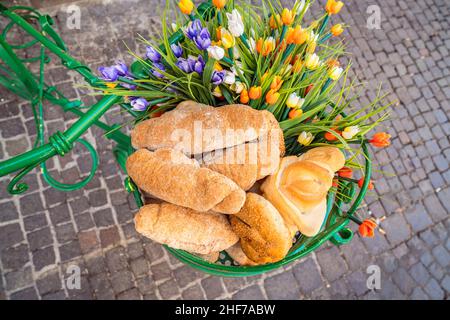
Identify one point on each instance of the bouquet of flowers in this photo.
(267, 57)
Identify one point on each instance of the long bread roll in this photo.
(186, 229)
(249, 162)
(195, 128)
(263, 233)
(171, 176)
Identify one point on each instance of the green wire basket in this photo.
(17, 78)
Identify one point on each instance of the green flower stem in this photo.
(231, 53)
(245, 41)
(283, 33)
(219, 17)
(325, 37)
(324, 23)
(287, 52)
(227, 60)
(326, 85)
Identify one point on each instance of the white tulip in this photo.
(238, 87)
(294, 101)
(350, 132)
(236, 53)
(235, 23)
(216, 52)
(252, 44)
(229, 78)
(305, 138)
(312, 61)
(335, 73)
(302, 6)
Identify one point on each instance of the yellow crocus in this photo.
(333, 6)
(186, 6)
(228, 40)
(312, 61)
(219, 4)
(265, 47)
(337, 29)
(305, 138)
(287, 16)
(275, 21)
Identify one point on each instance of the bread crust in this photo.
(300, 187)
(197, 121)
(184, 228)
(263, 233)
(171, 176)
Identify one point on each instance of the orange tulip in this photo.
(331, 63)
(336, 30)
(296, 35)
(295, 113)
(244, 98)
(308, 89)
(275, 21)
(287, 16)
(380, 140)
(219, 4)
(345, 172)
(367, 228)
(255, 93)
(332, 137)
(186, 6)
(333, 6)
(277, 82)
(272, 97)
(265, 47)
(361, 183)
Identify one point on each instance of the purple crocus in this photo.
(177, 50)
(194, 29)
(153, 55)
(199, 65)
(217, 77)
(128, 85)
(109, 74)
(203, 39)
(139, 104)
(121, 68)
(157, 67)
(184, 65)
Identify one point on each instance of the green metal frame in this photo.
(16, 77)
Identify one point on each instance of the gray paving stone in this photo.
(10, 234)
(308, 276)
(418, 218)
(213, 287)
(282, 286)
(331, 263)
(250, 293)
(15, 257)
(434, 290)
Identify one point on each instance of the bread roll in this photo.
(171, 176)
(300, 187)
(186, 229)
(195, 128)
(263, 233)
(238, 255)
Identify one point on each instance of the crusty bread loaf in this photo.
(194, 128)
(172, 177)
(263, 233)
(247, 163)
(186, 229)
(212, 257)
(238, 255)
(300, 187)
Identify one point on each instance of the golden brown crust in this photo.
(299, 189)
(172, 177)
(237, 254)
(212, 257)
(186, 229)
(171, 129)
(263, 233)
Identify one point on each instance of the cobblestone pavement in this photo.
(44, 231)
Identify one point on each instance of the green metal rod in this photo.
(47, 151)
(68, 61)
